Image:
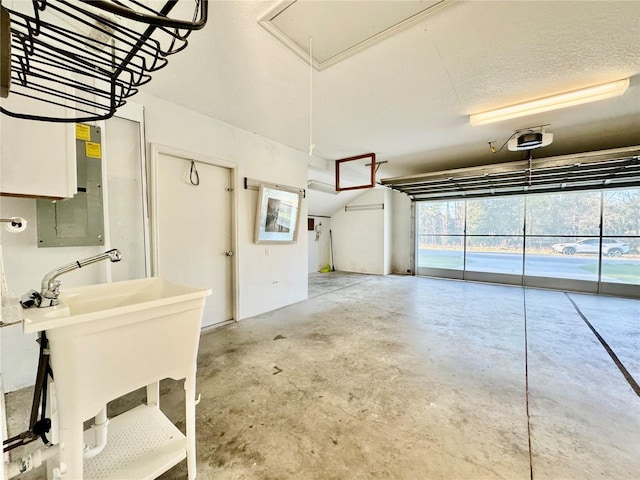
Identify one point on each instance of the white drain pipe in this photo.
(37, 458)
(24, 464)
(99, 430)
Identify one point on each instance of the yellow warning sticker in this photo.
(93, 150)
(83, 132)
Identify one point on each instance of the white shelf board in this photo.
(142, 444)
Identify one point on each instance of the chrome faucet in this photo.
(51, 287)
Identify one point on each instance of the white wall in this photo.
(312, 255)
(25, 266)
(388, 230)
(374, 241)
(401, 241)
(359, 237)
(319, 254)
(266, 282)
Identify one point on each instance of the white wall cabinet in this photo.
(37, 159)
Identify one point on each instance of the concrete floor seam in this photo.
(625, 373)
(526, 381)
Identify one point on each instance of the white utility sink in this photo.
(110, 339)
(83, 304)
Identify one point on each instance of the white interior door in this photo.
(193, 230)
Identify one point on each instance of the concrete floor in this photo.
(415, 378)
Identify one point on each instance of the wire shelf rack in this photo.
(78, 61)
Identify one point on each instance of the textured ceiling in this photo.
(302, 25)
(408, 97)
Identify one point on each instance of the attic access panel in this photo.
(342, 28)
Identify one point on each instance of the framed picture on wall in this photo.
(278, 215)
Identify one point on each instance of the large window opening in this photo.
(494, 235)
(585, 241)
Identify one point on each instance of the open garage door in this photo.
(583, 236)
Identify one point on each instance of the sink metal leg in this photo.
(190, 424)
(71, 447)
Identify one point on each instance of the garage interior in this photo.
(442, 322)
(413, 377)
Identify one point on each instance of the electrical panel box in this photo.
(77, 221)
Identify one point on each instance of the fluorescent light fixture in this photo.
(555, 102)
(368, 206)
(321, 187)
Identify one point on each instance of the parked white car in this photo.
(610, 247)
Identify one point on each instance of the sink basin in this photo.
(110, 339)
(93, 302)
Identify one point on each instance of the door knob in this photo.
(228, 253)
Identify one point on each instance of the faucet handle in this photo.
(31, 299)
(48, 302)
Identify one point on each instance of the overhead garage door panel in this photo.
(594, 170)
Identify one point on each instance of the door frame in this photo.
(159, 149)
(133, 112)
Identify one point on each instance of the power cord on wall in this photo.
(492, 148)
